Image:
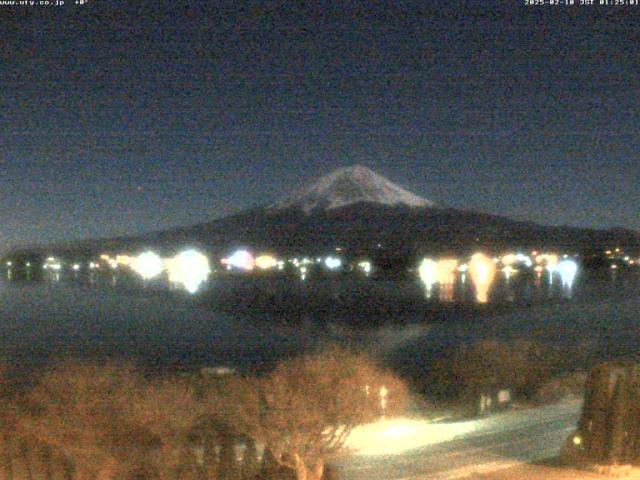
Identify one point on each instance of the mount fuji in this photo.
(365, 214)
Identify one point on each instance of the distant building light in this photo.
(190, 269)
(567, 270)
(445, 271)
(240, 259)
(365, 266)
(508, 259)
(428, 273)
(508, 271)
(124, 260)
(148, 265)
(52, 263)
(266, 262)
(332, 263)
(511, 258)
(482, 271)
(217, 371)
(522, 258)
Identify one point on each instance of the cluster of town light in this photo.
(619, 257)
(188, 269)
(483, 270)
(365, 267)
(242, 260)
(52, 263)
(442, 272)
(191, 268)
(566, 268)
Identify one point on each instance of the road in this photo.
(415, 450)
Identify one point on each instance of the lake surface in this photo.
(45, 320)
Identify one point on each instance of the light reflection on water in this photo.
(116, 314)
(442, 281)
(483, 272)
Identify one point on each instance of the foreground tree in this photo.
(77, 410)
(7, 426)
(306, 408)
(168, 409)
(609, 427)
(249, 467)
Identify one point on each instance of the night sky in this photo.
(119, 119)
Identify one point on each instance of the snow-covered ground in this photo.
(405, 448)
(395, 436)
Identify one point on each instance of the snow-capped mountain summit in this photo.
(350, 185)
